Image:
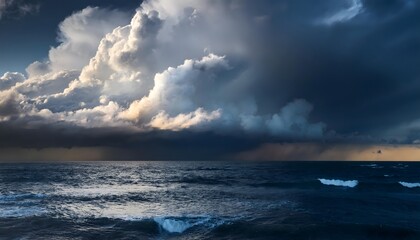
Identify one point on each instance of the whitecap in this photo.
(409, 185)
(337, 182)
(173, 225)
(181, 224)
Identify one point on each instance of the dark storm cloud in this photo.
(361, 75)
(125, 145)
(271, 71)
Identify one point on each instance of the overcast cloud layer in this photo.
(278, 71)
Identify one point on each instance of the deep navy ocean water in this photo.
(210, 200)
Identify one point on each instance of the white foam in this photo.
(181, 224)
(409, 185)
(173, 225)
(337, 182)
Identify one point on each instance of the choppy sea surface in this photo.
(210, 200)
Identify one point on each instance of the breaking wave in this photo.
(177, 225)
(409, 185)
(340, 183)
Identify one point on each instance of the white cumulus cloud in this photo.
(10, 79)
(79, 37)
(173, 66)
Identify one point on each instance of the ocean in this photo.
(210, 200)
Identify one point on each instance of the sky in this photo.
(209, 80)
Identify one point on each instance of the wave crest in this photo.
(340, 183)
(409, 185)
(173, 225)
(181, 224)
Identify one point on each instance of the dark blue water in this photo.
(210, 200)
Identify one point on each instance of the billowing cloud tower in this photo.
(190, 65)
